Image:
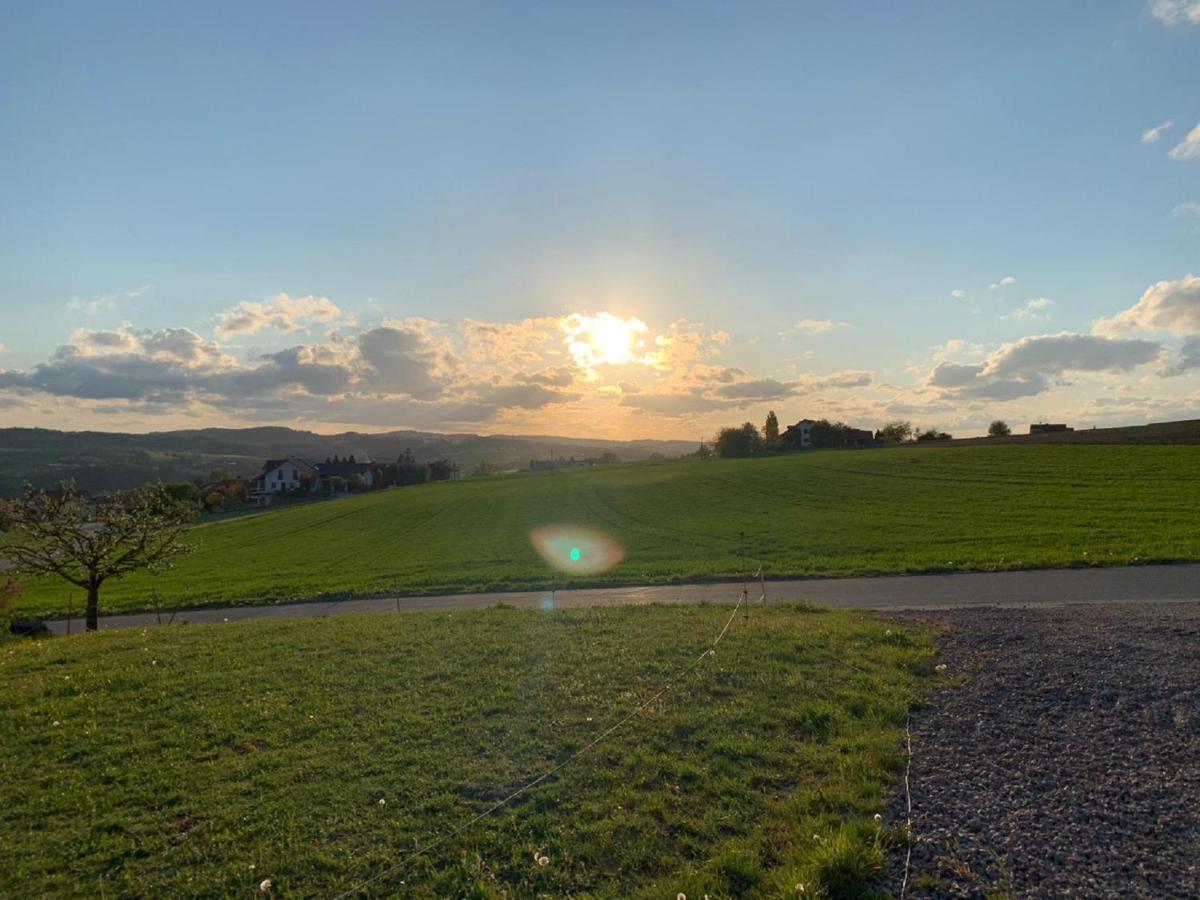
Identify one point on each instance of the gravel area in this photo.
(1063, 757)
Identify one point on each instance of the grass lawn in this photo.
(825, 513)
(200, 760)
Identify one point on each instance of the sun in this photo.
(604, 339)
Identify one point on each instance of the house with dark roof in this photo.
(286, 476)
(293, 475)
(347, 470)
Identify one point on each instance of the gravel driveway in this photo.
(1063, 759)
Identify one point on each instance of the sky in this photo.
(620, 220)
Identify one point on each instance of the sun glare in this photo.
(604, 339)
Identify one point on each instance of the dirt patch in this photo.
(1063, 759)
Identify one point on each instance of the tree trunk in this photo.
(93, 607)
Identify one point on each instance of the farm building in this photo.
(809, 433)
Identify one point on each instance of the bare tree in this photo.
(86, 541)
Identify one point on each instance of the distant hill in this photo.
(102, 460)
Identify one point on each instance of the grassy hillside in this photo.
(199, 762)
(829, 513)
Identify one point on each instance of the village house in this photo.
(800, 436)
(294, 475)
(284, 476)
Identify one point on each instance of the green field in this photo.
(196, 761)
(824, 513)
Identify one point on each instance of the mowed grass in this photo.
(201, 760)
(827, 513)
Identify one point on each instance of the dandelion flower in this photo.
(264, 885)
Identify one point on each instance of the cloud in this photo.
(103, 302)
(813, 326)
(674, 405)
(1188, 149)
(407, 357)
(1003, 282)
(524, 396)
(281, 313)
(1176, 12)
(1034, 309)
(756, 389)
(1150, 135)
(1029, 366)
(1187, 359)
(1172, 306)
(559, 376)
(1187, 208)
(839, 380)
(958, 294)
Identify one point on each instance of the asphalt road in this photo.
(1041, 587)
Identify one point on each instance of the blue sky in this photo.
(376, 184)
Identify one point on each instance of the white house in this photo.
(283, 476)
(800, 434)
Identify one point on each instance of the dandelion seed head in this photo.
(265, 884)
(878, 819)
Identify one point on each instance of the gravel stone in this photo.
(1062, 758)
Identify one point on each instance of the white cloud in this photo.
(1189, 148)
(1176, 12)
(958, 294)
(103, 302)
(1003, 282)
(1165, 306)
(1150, 135)
(813, 326)
(1034, 309)
(281, 313)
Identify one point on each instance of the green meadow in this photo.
(319, 755)
(811, 514)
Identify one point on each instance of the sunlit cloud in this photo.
(1150, 135)
(281, 313)
(1187, 150)
(812, 326)
(1176, 12)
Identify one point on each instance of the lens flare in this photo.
(576, 549)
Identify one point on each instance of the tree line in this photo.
(747, 440)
